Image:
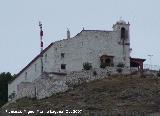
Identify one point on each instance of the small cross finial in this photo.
(68, 33)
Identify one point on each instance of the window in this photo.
(35, 67)
(62, 55)
(63, 66)
(25, 75)
(123, 33)
(45, 58)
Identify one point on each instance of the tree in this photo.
(4, 79)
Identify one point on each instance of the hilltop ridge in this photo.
(118, 95)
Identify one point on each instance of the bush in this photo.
(103, 65)
(119, 70)
(12, 95)
(87, 66)
(108, 73)
(94, 73)
(158, 73)
(120, 65)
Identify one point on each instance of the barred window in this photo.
(63, 66)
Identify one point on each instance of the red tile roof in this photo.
(138, 59)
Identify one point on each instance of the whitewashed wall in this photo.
(32, 74)
(87, 46)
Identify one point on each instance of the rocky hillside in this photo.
(115, 96)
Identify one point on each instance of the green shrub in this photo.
(119, 70)
(120, 65)
(103, 65)
(87, 66)
(94, 73)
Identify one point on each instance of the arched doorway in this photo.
(106, 60)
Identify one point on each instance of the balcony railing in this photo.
(151, 67)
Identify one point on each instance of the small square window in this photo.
(63, 66)
(62, 55)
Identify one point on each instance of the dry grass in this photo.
(111, 96)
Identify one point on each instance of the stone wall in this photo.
(49, 84)
(25, 89)
(78, 77)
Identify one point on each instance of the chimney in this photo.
(68, 33)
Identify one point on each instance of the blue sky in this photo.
(19, 30)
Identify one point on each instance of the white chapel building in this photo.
(96, 47)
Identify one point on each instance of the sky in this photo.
(19, 30)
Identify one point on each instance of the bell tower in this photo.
(122, 29)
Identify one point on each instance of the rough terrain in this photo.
(128, 95)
